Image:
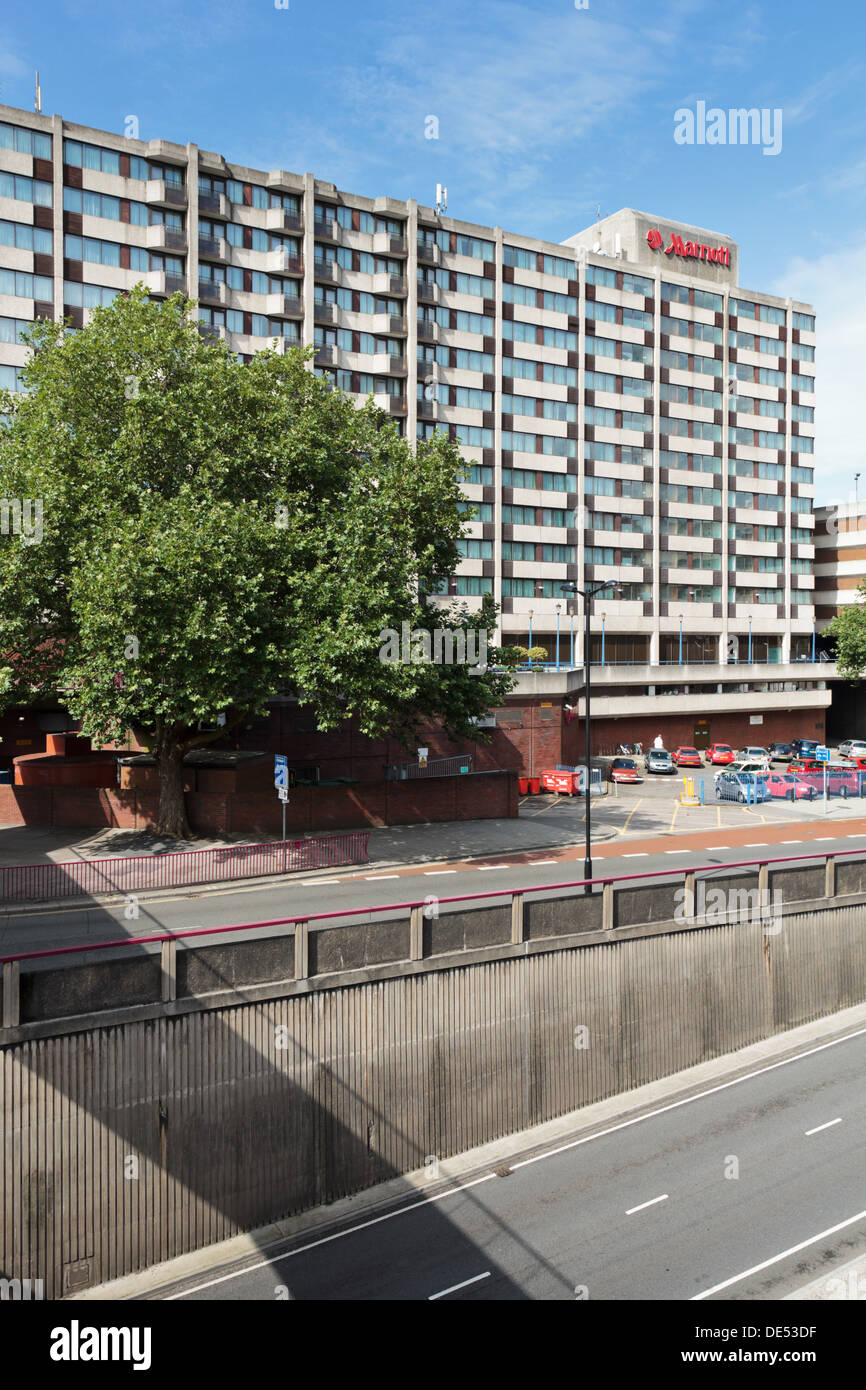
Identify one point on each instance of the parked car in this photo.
(782, 752)
(719, 753)
(659, 760)
(804, 746)
(843, 779)
(749, 766)
(852, 748)
(741, 786)
(789, 786)
(687, 757)
(754, 754)
(624, 770)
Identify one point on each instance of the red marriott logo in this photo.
(719, 255)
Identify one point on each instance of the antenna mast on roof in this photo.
(38, 104)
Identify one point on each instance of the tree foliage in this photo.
(848, 629)
(213, 532)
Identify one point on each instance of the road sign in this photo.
(281, 770)
(283, 793)
(822, 754)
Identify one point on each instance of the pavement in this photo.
(739, 1179)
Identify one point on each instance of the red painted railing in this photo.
(511, 892)
(140, 873)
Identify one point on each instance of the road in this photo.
(745, 1188)
(41, 929)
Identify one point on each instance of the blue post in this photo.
(702, 791)
(530, 640)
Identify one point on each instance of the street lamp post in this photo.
(530, 639)
(558, 608)
(587, 595)
(681, 639)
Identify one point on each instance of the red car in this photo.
(720, 753)
(687, 757)
(624, 770)
(789, 786)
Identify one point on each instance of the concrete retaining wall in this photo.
(125, 1145)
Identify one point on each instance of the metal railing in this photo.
(141, 873)
(606, 883)
(439, 767)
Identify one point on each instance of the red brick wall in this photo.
(422, 800)
(732, 727)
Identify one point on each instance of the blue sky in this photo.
(544, 111)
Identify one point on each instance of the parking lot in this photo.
(653, 807)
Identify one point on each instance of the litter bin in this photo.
(5, 774)
(534, 785)
(523, 786)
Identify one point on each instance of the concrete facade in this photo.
(629, 413)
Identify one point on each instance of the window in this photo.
(690, 463)
(472, 585)
(535, 516)
(526, 368)
(481, 511)
(547, 554)
(18, 137)
(91, 157)
(26, 238)
(474, 437)
(474, 247)
(10, 379)
(539, 444)
(686, 526)
(801, 352)
(555, 265)
(480, 475)
(550, 410)
(21, 285)
(102, 205)
(11, 329)
(637, 284)
(603, 312)
(802, 383)
(768, 313)
(210, 187)
(770, 376)
(471, 549)
(637, 318)
(804, 321)
(677, 294)
(87, 296)
(698, 593)
(705, 299)
(25, 190)
(701, 496)
(520, 332)
(529, 478)
(619, 521)
(776, 348)
(600, 275)
(802, 475)
(78, 248)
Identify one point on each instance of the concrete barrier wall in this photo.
(125, 1145)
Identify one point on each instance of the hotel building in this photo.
(630, 414)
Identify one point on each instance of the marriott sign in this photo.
(694, 250)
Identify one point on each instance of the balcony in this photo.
(161, 284)
(214, 205)
(325, 313)
(326, 356)
(276, 220)
(213, 248)
(327, 231)
(428, 410)
(383, 365)
(285, 306)
(394, 405)
(212, 332)
(159, 194)
(428, 294)
(162, 238)
(213, 291)
(328, 272)
(427, 332)
(388, 326)
(428, 255)
(283, 260)
(386, 245)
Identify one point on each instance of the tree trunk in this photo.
(171, 816)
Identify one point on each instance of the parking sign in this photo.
(822, 753)
(281, 770)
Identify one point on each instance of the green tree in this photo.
(849, 630)
(213, 532)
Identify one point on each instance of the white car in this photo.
(754, 754)
(852, 748)
(744, 765)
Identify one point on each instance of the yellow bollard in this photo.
(688, 797)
